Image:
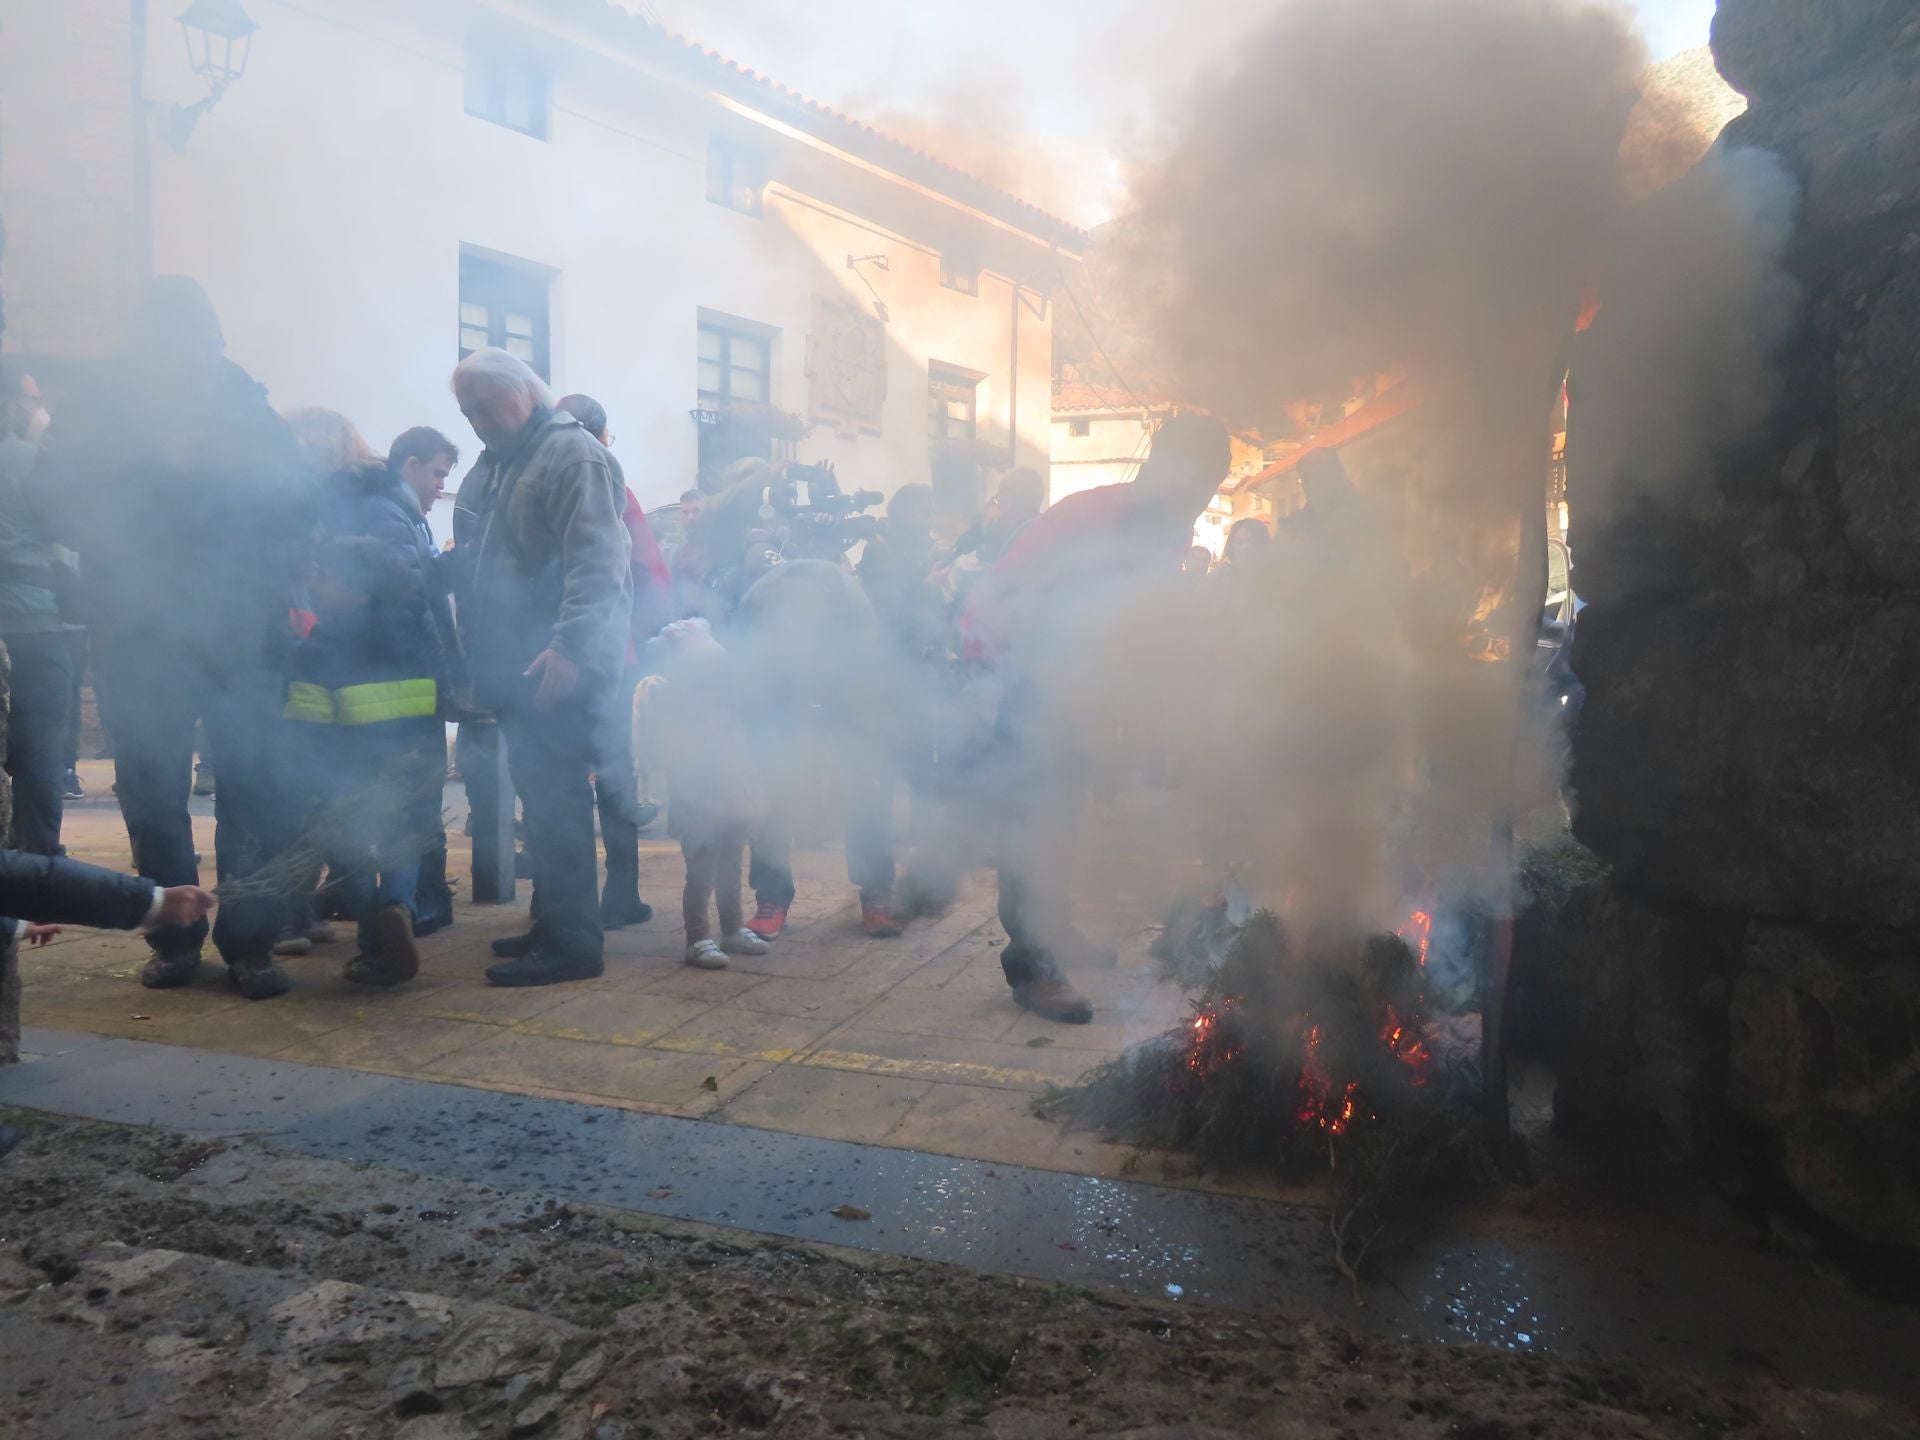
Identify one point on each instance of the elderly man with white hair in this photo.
(545, 594)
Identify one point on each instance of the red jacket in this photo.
(1093, 535)
(652, 584)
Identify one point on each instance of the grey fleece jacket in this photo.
(541, 559)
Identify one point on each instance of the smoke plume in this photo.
(1404, 184)
(1431, 189)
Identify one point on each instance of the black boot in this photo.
(543, 967)
(621, 906)
(512, 947)
(433, 897)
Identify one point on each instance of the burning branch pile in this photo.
(1302, 1059)
(1286, 1053)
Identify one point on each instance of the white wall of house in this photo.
(326, 202)
(1108, 454)
(1115, 443)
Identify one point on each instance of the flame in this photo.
(1417, 932)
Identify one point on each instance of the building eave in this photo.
(793, 111)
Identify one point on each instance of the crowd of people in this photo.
(271, 582)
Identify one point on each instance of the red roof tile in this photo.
(1078, 395)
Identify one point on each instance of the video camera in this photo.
(822, 520)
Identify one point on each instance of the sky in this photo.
(1051, 99)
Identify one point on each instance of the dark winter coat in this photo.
(370, 501)
(52, 890)
(184, 494)
(30, 569)
(542, 559)
(382, 660)
(897, 571)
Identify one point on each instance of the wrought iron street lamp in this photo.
(219, 33)
(219, 36)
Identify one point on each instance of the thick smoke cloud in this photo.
(1411, 185)
(1431, 189)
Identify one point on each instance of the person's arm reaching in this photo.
(52, 890)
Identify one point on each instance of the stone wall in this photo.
(1749, 759)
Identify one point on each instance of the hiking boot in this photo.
(71, 788)
(260, 980)
(879, 921)
(394, 960)
(619, 911)
(170, 972)
(543, 967)
(744, 942)
(705, 955)
(512, 947)
(768, 921)
(1054, 1000)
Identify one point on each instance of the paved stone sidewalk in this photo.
(910, 1042)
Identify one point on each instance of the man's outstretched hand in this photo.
(184, 905)
(559, 677)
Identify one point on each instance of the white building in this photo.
(1102, 433)
(390, 184)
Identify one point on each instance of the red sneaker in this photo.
(879, 921)
(768, 921)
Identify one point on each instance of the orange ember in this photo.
(1324, 1104)
(1406, 1045)
(1207, 1051)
